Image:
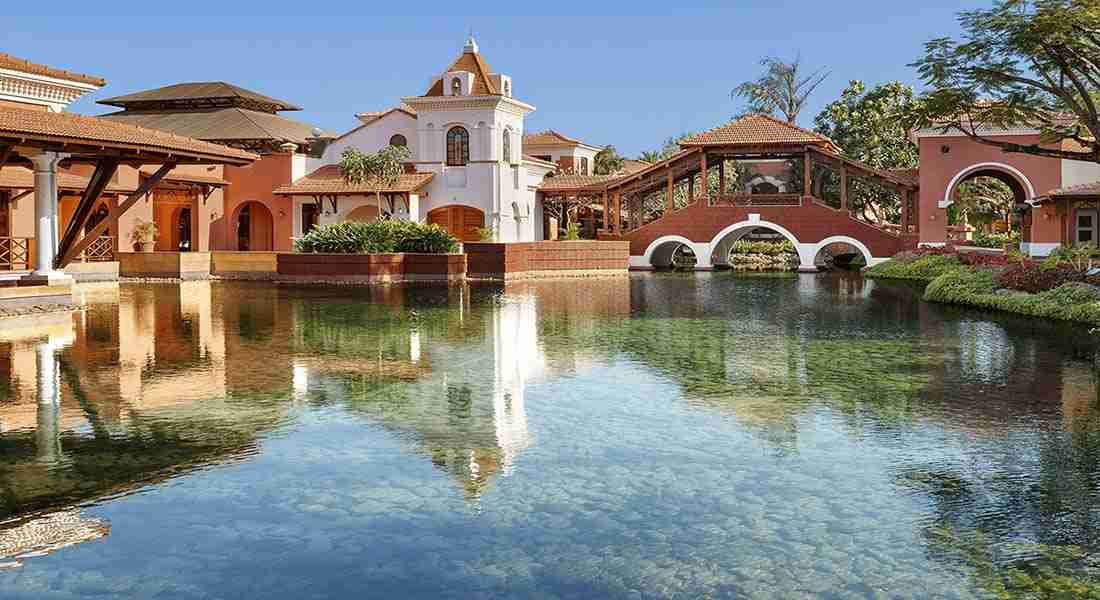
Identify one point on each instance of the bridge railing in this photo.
(756, 200)
(15, 253)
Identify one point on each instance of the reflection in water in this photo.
(671, 435)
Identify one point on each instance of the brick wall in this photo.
(490, 260)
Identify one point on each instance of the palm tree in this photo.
(781, 88)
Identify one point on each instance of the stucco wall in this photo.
(255, 183)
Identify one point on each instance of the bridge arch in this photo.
(1012, 177)
(721, 244)
(660, 252)
(843, 239)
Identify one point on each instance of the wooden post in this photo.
(721, 177)
(668, 197)
(704, 185)
(843, 186)
(807, 175)
(691, 189)
(104, 171)
(606, 214)
(905, 195)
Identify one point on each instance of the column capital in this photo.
(47, 161)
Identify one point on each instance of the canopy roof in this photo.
(87, 139)
(756, 130)
(15, 177)
(201, 94)
(231, 125)
(7, 61)
(329, 180)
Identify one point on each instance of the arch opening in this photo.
(985, 199)
(255, 227)
(673, 255)
(723, 244)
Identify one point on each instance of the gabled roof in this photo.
(227, 124)
(329, 180)
(43, 126)
(472, 63)
(7, 61)
(371, 118)
(755, 130)
(548, 138)
(200, 94)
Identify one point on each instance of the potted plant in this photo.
(144, 236)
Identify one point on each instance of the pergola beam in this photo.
(104, 171)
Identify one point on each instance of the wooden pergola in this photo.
(47, 141)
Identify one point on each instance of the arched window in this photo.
(507, 146)
(398, 140)
(584, 165)
(458, 147)
(456, 87)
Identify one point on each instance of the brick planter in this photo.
(169, 265)
(523, 260)
(372, 268)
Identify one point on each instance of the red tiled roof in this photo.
(175, 175)
(756, 129)
(330, 180)
(633, 166)
(576, 182)
(1080, 190)
(548, 138)
(21, 123)
(470, 62)
(21, 178)
(7, 61)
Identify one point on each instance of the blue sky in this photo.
(624, 73)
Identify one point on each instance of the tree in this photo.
(379, 170)
(650, 156)
(984, 197)
(1022, 62)
(781, 88)
(868, 126)
(607, 161)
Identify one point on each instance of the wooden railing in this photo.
(757, 200)
(101, 250)
(15, 254)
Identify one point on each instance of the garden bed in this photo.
(1058, 288)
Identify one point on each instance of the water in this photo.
(658, 436)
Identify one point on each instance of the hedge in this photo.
(978, 287)
(920, 268)
(378, 237)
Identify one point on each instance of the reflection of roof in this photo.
(226, 124)
(201, 94)
(756, 129)
(470, 62)
(23, 124)
(21, 178)
(330, 180)
(43, 535)
(13, 63)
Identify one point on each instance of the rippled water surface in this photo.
(657, 436)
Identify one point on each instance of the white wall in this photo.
(371, 137)
(1075, 172)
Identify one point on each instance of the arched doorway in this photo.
(983, 198)
(255, 227)
(363, 214)
(462, 221)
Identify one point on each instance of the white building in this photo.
(465, 134)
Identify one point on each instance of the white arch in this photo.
(753, 224)
(858, 245)
(1009, 169)
(661, 241)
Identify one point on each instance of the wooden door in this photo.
(462, 221)
(167, 206)
(5, 215)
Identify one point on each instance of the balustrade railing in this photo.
(757, 200)
(100, 250)
(15, 254)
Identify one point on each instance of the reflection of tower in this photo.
(48, 430)
(516, 357)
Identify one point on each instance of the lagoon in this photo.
(651, 436)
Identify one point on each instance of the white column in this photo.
(45, 212)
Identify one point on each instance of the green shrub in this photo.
(572, 232)
(977, 287)
(960, 286)
(763, 247)
(377, 237)
(995, 240)
(923, 268)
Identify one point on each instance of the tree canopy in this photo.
(607, 161)
(783, 88)
(1021, 62)
(379, 170)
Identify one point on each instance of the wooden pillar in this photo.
(807, 175)
(704, 186)
(668, 197)
(606, 214)
(691, 189)
(905, 196)
(843, 186)
(721, 177)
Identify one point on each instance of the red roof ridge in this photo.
(9, 61)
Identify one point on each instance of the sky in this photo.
(630, 74)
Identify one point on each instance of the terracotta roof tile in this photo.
(76, 129)
(329, 180)
(175, 175)
(470, 62)
(548, 138)
(576, 182)
(1084, 189)
(756, 129)
(22, 178)
(631, 165)
(7, 61)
